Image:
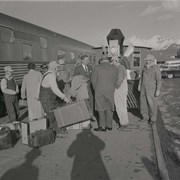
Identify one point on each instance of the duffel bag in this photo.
(41, 138)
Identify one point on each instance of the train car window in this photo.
(43, 42)
(90, 59)
(136, 59)
(27, 51)
(6, 34)
(61, 53)
(94, 59)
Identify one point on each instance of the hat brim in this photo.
(149, 59)
(9, 70)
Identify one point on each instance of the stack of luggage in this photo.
(36, 134)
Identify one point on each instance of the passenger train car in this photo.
(22, 42)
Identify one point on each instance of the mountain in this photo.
(156, 42)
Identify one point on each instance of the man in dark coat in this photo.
(104, 81)
(86, 70)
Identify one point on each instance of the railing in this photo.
(133, 98)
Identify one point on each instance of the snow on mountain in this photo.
(156, 42)
(177, 41)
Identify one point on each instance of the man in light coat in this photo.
(29, 90)
(104, 81)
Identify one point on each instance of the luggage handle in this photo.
(4, 128)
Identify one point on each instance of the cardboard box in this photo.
(28, 127)
(71, 114)
(81, 125)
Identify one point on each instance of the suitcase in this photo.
(8, 137)
(71, 114)
(5, 138)
(41, 138)
(28, 127)
(81, 125)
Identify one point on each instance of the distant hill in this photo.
(156, 42)
(167, 54)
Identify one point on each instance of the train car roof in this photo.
(148, 48)
(41, 28)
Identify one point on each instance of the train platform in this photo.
(125, 154)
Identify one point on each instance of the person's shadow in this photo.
(26, 171)
(150, 166)
(88, 164)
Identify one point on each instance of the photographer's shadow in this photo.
(26, 171)
(88, 163)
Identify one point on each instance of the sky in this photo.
(91, 21)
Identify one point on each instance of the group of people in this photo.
(104, 89)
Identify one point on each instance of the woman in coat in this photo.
(120, 94)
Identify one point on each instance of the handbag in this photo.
(22, 103)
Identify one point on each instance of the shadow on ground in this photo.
(88, 163)
(25, 171)
(150, 167)
(135, 112)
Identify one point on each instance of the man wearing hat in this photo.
(149, 87)
(104, 81)
(49, 92)
(10, 91)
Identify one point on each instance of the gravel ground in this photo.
(168, 125)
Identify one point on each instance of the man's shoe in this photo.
(99, 129)
(151, 122)
(122, 127)
(109, 129)
(143, 120)
(63, 131)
